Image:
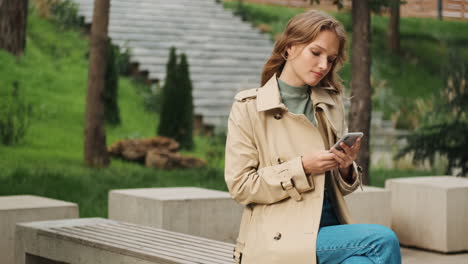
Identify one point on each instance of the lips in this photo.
(317, 74)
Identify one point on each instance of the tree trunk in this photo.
(361, 107)
(394, 27)
(13, 20)
(95, 151)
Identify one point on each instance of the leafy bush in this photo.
(65, 13)
(15, 114)
(445, 128)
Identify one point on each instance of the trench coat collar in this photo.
(269, 97)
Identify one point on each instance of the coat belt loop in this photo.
(288, 186)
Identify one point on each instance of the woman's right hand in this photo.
(319, 162)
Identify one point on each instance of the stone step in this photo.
(197, 62)
(158, 72)
(157, 3)
(215, 81)
(168, 14)
(138, 37)
(217, 12)
(174, 17)
(216, 33)
(178, 24)
(210, 46)
(154, 56)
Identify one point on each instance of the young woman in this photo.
(279, 163)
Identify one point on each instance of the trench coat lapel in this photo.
(269, 97)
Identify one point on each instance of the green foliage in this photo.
(111, 107)
(177, 103)
(444, 131)
(65, 13)
(15, 115)
(185, 135)
(122, 60)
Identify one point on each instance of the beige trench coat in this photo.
(263, 171)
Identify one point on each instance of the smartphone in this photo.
(349, 139)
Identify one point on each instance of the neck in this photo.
(290, 77)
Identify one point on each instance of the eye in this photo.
(316, 53)
(331, 60)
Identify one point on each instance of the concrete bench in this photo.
(22, 208)
(190, 210)
(371, 206)
(431, 212)
(103, 241)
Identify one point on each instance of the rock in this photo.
(157, 158)
(156, 152)
(136, 149)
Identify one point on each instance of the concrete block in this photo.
(190, 210)
(431, 212)
(371, 206)
(25, 208)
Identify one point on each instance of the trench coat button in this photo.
(278, 116)
(277, 236)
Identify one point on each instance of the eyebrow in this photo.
(320, 47)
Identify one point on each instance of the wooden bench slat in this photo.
(172, 247)
(119, 249)
(174, 241)
(210, 245)
(148, 248)
(179, 235)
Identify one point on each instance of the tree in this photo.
(361, 104)
(111, 107)
(95, 151)
(394, 27)
(13, 21)
(445, 129)
(167, 122)
(185, 133)
(177, 102)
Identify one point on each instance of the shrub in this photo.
(176, 120)
(445, 129)
(111, 107)
(65, 13)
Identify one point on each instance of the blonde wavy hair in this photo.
(303, 29)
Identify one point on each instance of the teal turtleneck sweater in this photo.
(297, 100)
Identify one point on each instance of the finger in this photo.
(345, 147)
(331, 167)
(327, 156)
(340, 160)
(357, 145)
(339, 153)
(329, 163)
(344, 159)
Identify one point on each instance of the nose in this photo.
(323, 63)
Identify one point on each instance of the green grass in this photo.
(398, 80)
(49, 161)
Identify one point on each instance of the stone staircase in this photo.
(225, 54)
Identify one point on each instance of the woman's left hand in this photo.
(345, 158)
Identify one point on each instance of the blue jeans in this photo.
(354, 243)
